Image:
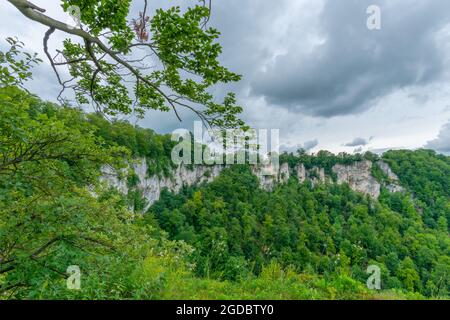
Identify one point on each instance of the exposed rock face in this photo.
(301, 172)
(268, 178)
(394, 188)
(387, 170)
(394, 183)
(317, 175)
(182, 175)
(111, 178)
(284, 174)
(357, 175)
(151, 187)
(359, 178)
(266, 181)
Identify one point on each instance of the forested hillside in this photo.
(226, 239)
(328, 230)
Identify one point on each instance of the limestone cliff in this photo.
(393, 183)
(152, 186)
(357, 176)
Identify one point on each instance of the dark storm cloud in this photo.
(442, 141)
(245, 28)
(357, 142)
(354, 66)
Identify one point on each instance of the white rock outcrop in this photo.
(266, 175)
(284, 174)
(112, 178)
(151, 187)
(359, 178)
(316, 175)
(301, 172)
(394, 184)
(387, 170)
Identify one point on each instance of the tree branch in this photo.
(36, 14)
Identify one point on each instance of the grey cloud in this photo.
(357, 142)
(308, 145)
(354, 66)
(442, 141)
(289, 149)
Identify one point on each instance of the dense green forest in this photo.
(328, 230)
(226, 239)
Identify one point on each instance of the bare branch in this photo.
(45, 42)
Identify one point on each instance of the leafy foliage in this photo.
(142, 143)
(323, 159)
(427, 176)
(228, 239)
(15, 64)
(164, 60)
(238, 229)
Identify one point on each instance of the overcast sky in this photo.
(314, 70)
